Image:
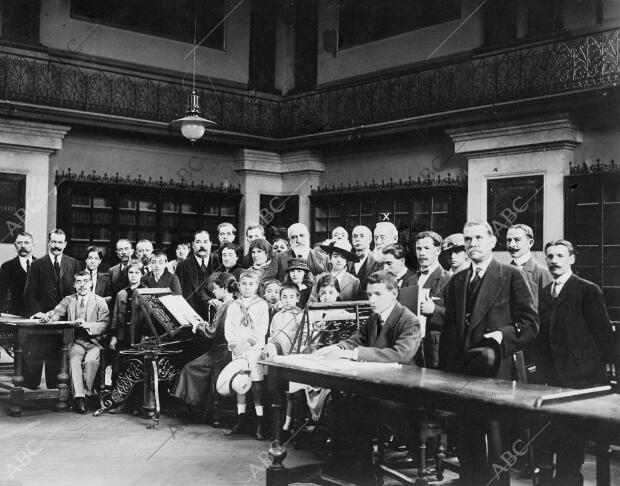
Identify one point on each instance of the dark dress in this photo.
(196, 386)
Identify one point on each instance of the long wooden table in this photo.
(23, 330)
(485, 397)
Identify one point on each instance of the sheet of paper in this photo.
(180, 309)
(423, 294)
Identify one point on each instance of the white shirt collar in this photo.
(482, 266)
(561, 280)
(386, 313)
(401, 273)
(523, 259)
(432, 268)
(199, 260)
(52, 257)
(23, 260)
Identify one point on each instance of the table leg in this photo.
(63, 376)
(17, 392)
(276, 473)
(602, 462)
(148, 405)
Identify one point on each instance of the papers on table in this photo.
(320, 362)
(180, 310)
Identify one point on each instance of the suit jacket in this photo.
(167, 279)
(119, 325)
(349, 288)
(407, 278)
(103, 288)
(97, 316)
(118, 279)
(191, 279)
(12, 284)
(44, 290)
(537, 276)
(575, 337)
(397, 342)
(436, 283)
(504, 303)
(317, 262)
(369, 267)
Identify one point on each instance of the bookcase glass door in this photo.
(98, 214)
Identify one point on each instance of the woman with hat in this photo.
(340, 254)
(298, 272)
(260, 251)
(454, 250)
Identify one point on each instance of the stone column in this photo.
(263, 172)
(25, 148)
(535, 146)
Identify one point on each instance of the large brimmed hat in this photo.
(483, 360)
(298, 264)
(455, 242)
(342, 247)
(234, 378)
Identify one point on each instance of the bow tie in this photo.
(423, 272)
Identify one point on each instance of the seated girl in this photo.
(195, 385)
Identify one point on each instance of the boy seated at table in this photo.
(91, 311)
(245, 328)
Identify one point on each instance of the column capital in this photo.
(30, 136)
(519, 136)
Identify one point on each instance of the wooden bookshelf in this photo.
(97, 211)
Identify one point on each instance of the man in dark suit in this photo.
(424, 294)
(100, 281)
(394, 262)
(159, 276)
(299, 238)
(118, 273)
(194, 271)
(574, 342)
(488, 301)
(361, 237)
(49, 281)
(519, 241)
(13, 276)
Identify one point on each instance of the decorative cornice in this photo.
(428, 183)
(597, 168)
(160, 183)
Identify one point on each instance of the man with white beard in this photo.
(385, 234)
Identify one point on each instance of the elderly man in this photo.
(519, 241)
(385, 234)
(490, 310)
(144, 250)
(13, 276)
(361, 238)
(299, 237)
(194, 271)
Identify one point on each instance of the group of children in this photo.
(260, 320)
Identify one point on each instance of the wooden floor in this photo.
(47, 448)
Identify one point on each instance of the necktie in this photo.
(27, 267)
(472, 293)
(82, 305)
(379, 325)
(422, 272)
(56, 266)
(554, 290)
(203, 267)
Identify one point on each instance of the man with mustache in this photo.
(144, 250)
(49, 281)
(118, 273)
(489, 315)
(519, 241)
(361, 238)
(574, 342)
(194, 271)
(13, 276)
